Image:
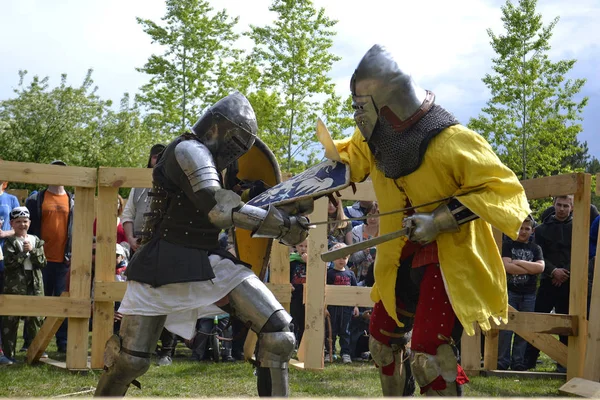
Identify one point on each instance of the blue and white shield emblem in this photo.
(319, 180)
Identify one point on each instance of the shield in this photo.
(317, 181)
(256, 169)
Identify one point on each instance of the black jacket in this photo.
(554, 237)
(34, 205)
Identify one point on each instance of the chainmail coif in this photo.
(398, 154)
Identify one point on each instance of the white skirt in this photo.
(183, 303)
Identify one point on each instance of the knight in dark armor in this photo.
(180, 274)
(448, 273)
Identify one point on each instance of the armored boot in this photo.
(127, 355)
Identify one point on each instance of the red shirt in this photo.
(121, 237)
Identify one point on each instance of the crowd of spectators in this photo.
(35, 256)
(349, 325)
(545, 251)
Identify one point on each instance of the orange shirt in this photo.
(54, 228)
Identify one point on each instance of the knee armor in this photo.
(427, 367)
(394, 368)
(275, 349)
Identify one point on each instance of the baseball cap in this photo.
(121, 250)
(157, 148)
(58, 162)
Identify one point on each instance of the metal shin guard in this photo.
(127, 356)
(426, 368)
(274, 352)
(254, 305)
(394, 369)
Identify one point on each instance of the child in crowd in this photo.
(23, 261)
(359, 325)
(3, 359)
(297, 280)
(340, 316)
(523, 261)
(7, 203)
(121, 265)
(120, 268)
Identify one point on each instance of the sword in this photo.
(353, 248)
(313, 225)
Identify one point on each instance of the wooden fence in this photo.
(536, 328)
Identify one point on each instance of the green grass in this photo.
(186, 378)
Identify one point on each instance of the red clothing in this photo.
(121, 237)
(434, 315)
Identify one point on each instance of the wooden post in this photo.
(314, 332)
(471, 352)
(490, 351)
(592, 355)
(579, 274)
(44, 336)
(280, 268)
(81, 276)
(106, 238)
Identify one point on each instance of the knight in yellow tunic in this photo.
(415, 152)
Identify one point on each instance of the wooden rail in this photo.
(537, 328)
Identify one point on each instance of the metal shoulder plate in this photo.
(198, 164)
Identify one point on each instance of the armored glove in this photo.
(427, 226)
(297, 231)
(277, 224)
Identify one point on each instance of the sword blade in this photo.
(353, 248)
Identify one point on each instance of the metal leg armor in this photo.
(427, 368)
(253, 303)
(394, 369)
(127, 355)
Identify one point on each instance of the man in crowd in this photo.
(554, 237)
(51, 212)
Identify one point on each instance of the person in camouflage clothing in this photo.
(23, 262)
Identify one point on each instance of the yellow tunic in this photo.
(457, 161)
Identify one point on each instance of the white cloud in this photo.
(443, 43)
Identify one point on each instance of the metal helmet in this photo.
(381, 89)
(227, 129)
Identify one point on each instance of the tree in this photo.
(579, 160)
(532, 105)
(195, 69)
(291, 59)
(73, 124)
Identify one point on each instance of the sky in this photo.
(443, 43)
